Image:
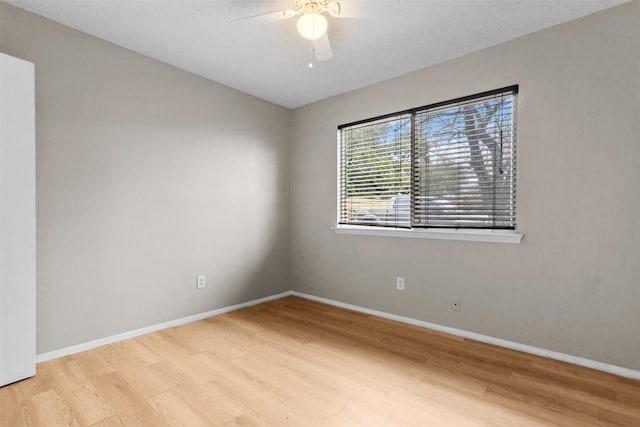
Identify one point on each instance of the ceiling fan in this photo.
(311, 25)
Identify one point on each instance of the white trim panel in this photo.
(152, 328)
(600, 366)
(468, 234)
(17, 220)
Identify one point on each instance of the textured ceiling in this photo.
(269, 59)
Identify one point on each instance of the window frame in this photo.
(490, 234)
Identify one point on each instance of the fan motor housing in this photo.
(318, 6)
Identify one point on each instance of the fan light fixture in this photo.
(312, 25)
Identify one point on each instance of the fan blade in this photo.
(269, 16)
(322, 48)
(334, 9)
(344, 9)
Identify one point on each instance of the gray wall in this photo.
(573, 285)
(146, 177)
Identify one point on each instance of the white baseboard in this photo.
(605, 367)
(600, 366)
(147, 329)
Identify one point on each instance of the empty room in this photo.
(319, 213)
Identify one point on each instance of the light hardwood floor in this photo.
(302, 363)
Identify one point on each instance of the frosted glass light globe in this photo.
(312, 26)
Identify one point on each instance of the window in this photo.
(448, 165)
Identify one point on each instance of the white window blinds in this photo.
(449, 165)
(376, 172)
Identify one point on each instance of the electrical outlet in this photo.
(455, 304)
(200, 282)
(400, 283)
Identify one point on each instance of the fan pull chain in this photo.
(313, 30)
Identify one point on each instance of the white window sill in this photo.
(468, 234)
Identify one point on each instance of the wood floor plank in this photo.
(118, 356)
(88, 405)
(539, 407)
(206, 400)
(228, 373)
(176, 412)
(92, 364)
(51, 409)
(140, 354)
(296, 362)
(245, 420)
(13, 409)
(81, 395)
(109, 422)
(355, 415)
(43, 381)
(129, 405)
